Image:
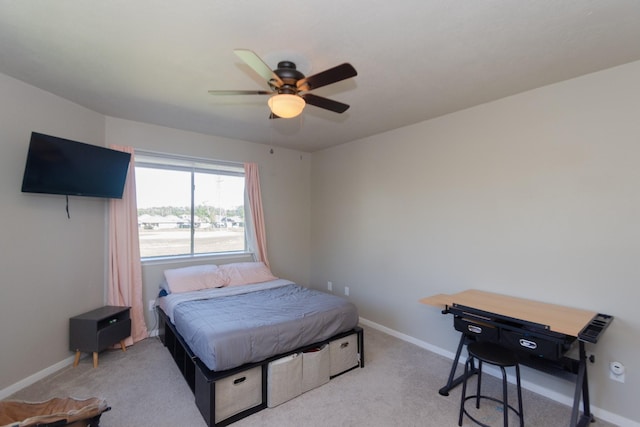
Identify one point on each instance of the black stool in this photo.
(493, 354)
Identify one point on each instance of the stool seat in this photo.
(493, 354)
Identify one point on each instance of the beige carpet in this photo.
(398, 387)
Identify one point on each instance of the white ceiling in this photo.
(154, 61)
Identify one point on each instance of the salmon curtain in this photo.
(257, 236)
(125, 270)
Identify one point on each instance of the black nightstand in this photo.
(98, 329)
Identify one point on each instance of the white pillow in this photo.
(195, 278)
(245, 273)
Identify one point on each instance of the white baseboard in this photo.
(551, 394)
(6, 392)
(32, 379)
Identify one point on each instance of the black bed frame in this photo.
(201, 379)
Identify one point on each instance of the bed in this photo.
(227, 326)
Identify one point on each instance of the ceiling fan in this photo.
(290, 87)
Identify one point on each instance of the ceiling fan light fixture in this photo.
(286, 105)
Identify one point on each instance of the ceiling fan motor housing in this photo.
(289, 75)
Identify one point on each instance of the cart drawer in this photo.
(480, 330)
(547, 348)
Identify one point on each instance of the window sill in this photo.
(215, 258)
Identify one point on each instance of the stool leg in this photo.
(479, 381)
(520, 413)
(505, 402)
(464, 388)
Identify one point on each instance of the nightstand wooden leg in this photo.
(77, 359)
(124, 348)
(95, 359)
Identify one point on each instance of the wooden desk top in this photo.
(565, 320)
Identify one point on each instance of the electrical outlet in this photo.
(330, 286)
(616, 371)
(346, 290)
(152, 304)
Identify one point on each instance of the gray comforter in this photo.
(230, 330)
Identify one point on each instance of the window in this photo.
(189, 206)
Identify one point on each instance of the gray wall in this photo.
(536, 195)
(51, 267)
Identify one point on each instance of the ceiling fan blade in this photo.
(240, 92)
(326, 103)
(327, 77)
(259, 66)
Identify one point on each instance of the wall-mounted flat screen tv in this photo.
(61, 166)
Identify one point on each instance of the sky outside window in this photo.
(171, 188)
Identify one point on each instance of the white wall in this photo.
(285, 184)
(51, 267)
(536, 195)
